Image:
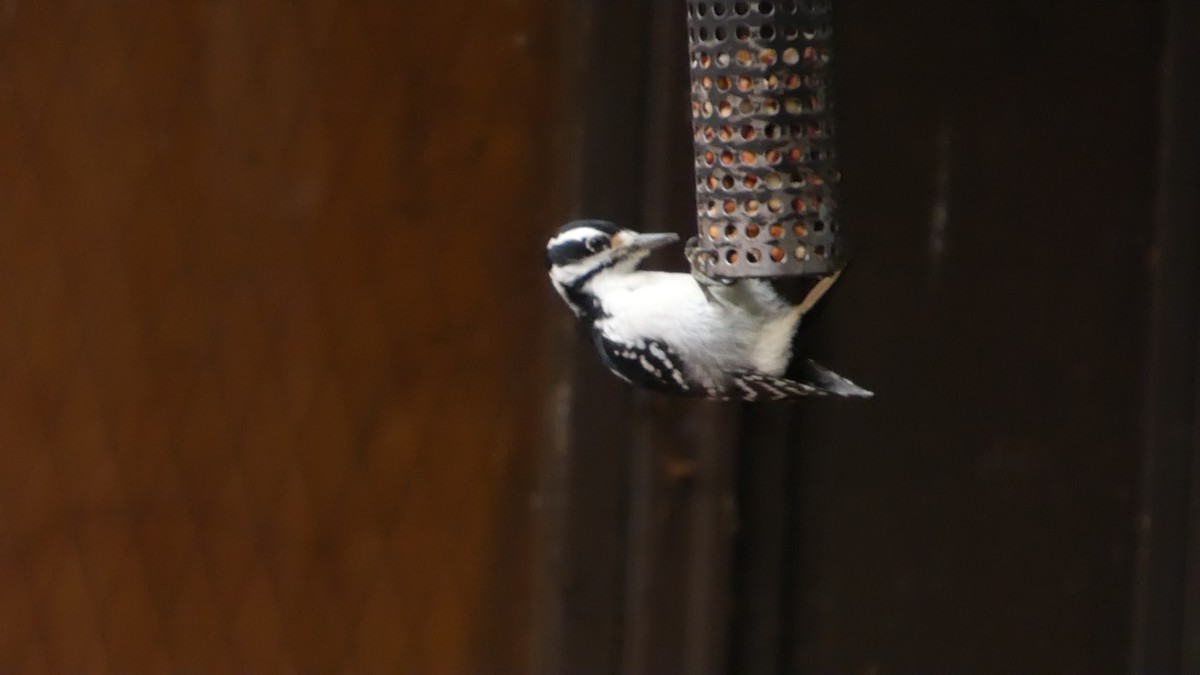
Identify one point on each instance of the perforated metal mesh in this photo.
(762, 107)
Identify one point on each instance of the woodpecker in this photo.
(685, 333)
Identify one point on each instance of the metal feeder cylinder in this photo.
(762, 107)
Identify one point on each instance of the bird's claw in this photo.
(699, 260)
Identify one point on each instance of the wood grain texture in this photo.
(265, 274)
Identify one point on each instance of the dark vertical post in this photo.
(1167, 608)
(585, 475)
(636, 488)
(681, 482)
(762, 561)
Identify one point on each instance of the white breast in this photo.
(745, 326)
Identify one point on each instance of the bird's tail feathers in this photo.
(812, 373)
(818, 291)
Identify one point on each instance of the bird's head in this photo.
(584, 249)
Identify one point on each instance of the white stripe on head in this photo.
(582, 233)
(577, 245)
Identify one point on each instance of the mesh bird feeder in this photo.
(762, 107)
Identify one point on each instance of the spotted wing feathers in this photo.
(654, 365)
(759, 387)
(750, 386)
(650, 364)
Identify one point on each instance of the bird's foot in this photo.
(700, 261)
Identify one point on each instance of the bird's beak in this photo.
(644, 242)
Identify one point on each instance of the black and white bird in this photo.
(680, 333)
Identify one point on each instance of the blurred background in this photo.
(283, 387)
(267, 273)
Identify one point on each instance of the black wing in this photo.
(654, 365)
(650, 364)
(750, 386)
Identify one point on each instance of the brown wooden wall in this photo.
(264, 308)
